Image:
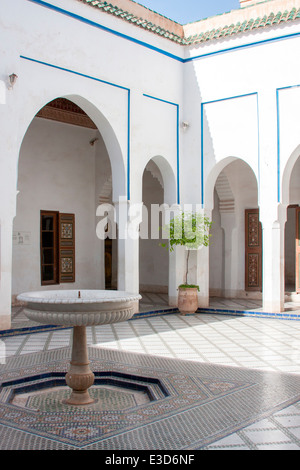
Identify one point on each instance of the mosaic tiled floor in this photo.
(157, 304)
(191, 405)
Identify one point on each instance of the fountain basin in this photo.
(79, 308)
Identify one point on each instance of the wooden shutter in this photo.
(48, 246)
(108, 263)
(298, 249)
(66, 237)
(253, 251)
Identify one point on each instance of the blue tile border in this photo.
(288, 315)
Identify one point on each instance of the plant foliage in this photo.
(190, 229)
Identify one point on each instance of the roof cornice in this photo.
(214, 28)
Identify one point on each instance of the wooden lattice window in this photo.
(57, 247)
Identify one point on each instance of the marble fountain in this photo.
(79, 309)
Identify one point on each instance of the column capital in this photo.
(269, 214)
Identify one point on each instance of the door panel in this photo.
(253, 251)
(66, 248)
(48, 247)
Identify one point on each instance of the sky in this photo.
(187, 11)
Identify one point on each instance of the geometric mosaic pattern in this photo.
(66, 230)
(66, 265)
(193, 404)
(53, 399)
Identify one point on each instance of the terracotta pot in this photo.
(187, 300)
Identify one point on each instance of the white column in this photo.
(128, 218)
(202, 270)
(228, 224)
(272, 215)
(273, 263)
(6, 273)
(198, 272)
(8, 194)
(202, 276)
(10, 107)
(176, 273)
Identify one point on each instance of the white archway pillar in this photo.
(129, 217)
(177, 262)
(228, 224)
(198, 272)
(8, 195)
(9, 151)
(202, 276)
(202, 271)
(176, 273)
(272, 214)
(6, 237)
(273, 262)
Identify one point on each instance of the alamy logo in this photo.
(135, 220)
(2, 352)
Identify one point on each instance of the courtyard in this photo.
(203, 364)
(115, 118)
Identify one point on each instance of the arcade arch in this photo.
(70, 161)
(158, 194)
(291, 200)
(232, 197)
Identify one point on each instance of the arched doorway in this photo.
(64, 173)
(235, 261)
(154, 261)
(158, 195)
(291, 199)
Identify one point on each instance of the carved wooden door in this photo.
(66, 238)
(253, 251)
(298, 249)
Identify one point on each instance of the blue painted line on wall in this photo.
(106, 83)
(177, 139)
(202, 134)
(74, 72)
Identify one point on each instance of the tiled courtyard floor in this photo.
(261, 344)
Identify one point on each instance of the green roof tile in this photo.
(214, 34)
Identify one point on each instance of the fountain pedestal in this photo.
(79, 377)
(79, 309)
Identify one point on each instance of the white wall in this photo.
(236, 124)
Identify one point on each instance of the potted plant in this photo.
(192, 230)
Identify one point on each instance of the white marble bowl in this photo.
(79, 308)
